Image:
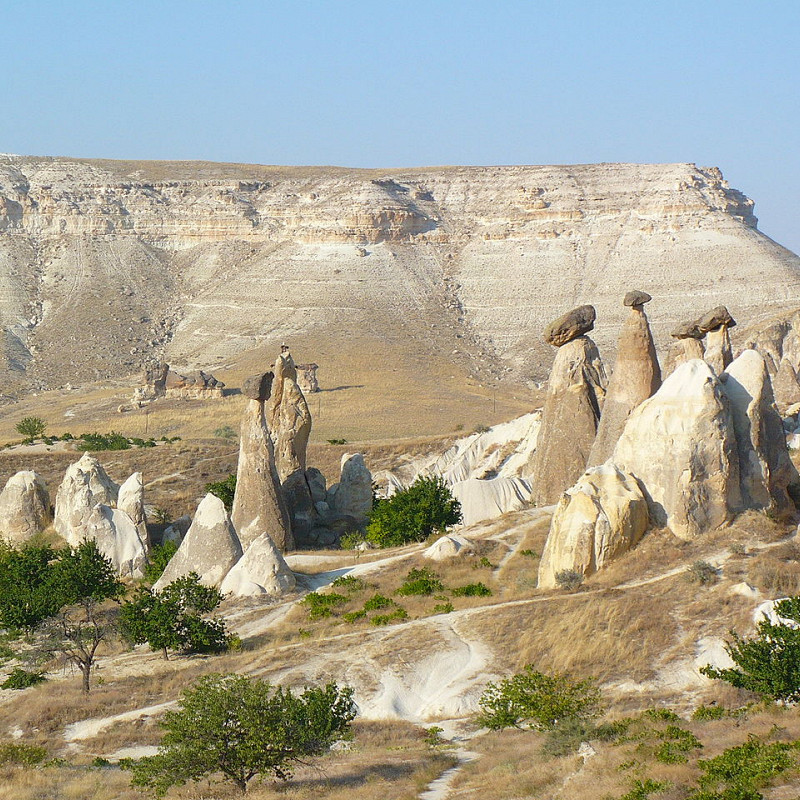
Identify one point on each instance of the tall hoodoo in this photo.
(714, 326)
(259, 505)
(572, 407)
(688, 345)
(636, 377)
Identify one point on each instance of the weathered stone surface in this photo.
(719, 353)
(210, 547)
(294, 428)
(176, 530)
(353, 494)
(85, 485)
(636, 298)
(24, 507)
(259, 505)
(302, 510)
(636, 377)
(569, 419)
(258, 387)
(260, 571)
(785, 385)
(117, 539)
(317, 485)
(447, 547)
(765, 469)
(131, 501)
(307, 378)
(601, 517)
(486, 499)
(687, 330)
(680, 445)
(569, 326)
(714, 319)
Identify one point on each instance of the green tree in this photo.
(28, 591)
(31, 427)
(242, 728)
(531, 699)
(224, 489)
(413, 514)
(173, 618)
(769, 663)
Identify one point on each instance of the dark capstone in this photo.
(570, 326)
(715, 318)
(258, 387)
(636, 298)
(687, 330)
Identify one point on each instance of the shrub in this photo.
(337, 441)
(533, 700)
(224, 489)
(420, 582)
(352, 540)
(353, 616)
(704, 713)
(413, 514)
(529, 553)
(569, 579)
(20, 678)
(225, 432)
(160, 556)
(442, 608)
(349, 583)
(643, 789)
(322, 605)
(104, 441)
(377, 602)
(472, 590)
(21, 754)
(702, 572)
(31, 427)
(384, 619)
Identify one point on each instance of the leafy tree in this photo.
(531, 699)
(28, 592)
(769, 663)
(31, 427)
(224, 489)
(160, 556)
(83, 574)
(242, 728)
(413, 514)
(173, 618)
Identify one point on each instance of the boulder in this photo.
(636, 377)
(317, 485)
(176, 530)
(353, 494)
(635, 298)
(85, 485)
(681, 446)
(258, 387)
(302, 510)
(765, 470)
(260, 571)
(785, 384)
(570, 326)
(446, 547)
(131, 500)
(118, 539)
(716, 318)
(482, 500)
(24, 507)
(601, 517)
(569, 420)
(259, 505)
(210, 547)
(687, 330)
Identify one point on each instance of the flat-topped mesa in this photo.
(258, 504)
(571, 412)
(636, 377)
(714, 326)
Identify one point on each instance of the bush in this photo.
(378, 602)
(533, 700)
(704, 713)
(643, 789)
(702, 572)
(384, 619)
(322, 605)
(20, 678)
(24, 755)
(224, 489)
(349, 583)
(104, 441)
(337, 441)
(160, 556)
(420, 582)
(472, 590)
(442, 608)
(569, 579)
(225, 432)
(31, 427)
(413, 514)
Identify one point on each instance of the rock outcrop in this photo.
(260, 571)
(210, 547)
(570, 326)
(131, 500)
(688, 345)
(569, 420)
(482, 499)
(353, 494)
(765, 470)
(601, 517)
(24, 507)
(259, 505)
(681, 446)
(118, 539)
(161, 381)
(176, 530)
(636, 377)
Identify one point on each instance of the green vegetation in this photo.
(225, 432)
(20, 678)
(569, 579)
(173, 619)
(472, 590)
(322, 605)
(533, 700)
(243, 728)
(31, 428)
(21, 754)
(413, 514)
(337, 441)
(224, 489)
(349, 583)
(420, 582)
(160, 556)
(703, 573)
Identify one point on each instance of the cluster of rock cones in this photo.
(619, 455)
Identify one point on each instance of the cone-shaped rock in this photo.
(210, 547)
(353, 494)
(118, 539)
(131, 501)
(765, 469)
(636, 377)
(259, 505)
(601, 517)
(569, 419)
(24, 507)
(680, 445)
(261, 570)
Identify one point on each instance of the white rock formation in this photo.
(353, 494)
(131, 500)
(601, 517)
(85, 485)
(176, 530)
(210, 547)
(261, 570)
(118, 539)
(482, 500)
(24, 507)
(446, 547)
(680, 445)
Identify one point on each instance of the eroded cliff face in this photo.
(107, 266)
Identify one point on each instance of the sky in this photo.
(400, 84)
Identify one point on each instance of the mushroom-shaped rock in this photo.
(210, 547)
(688, 345)
(765, 469)
(681, 446)
(714, 319)
(570, 326)
(687, 330)
(636, 377)
(636, 298)
(24, 507)
(569, 419)
(353, 494)
(85, 485)
(482, 500)
(601, 517)
(118, 539)
(259, 505)
(715, 325)
(261, 570)
(131, 501)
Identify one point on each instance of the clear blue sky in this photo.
(410, 84)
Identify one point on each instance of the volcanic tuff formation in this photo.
(195, 263)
